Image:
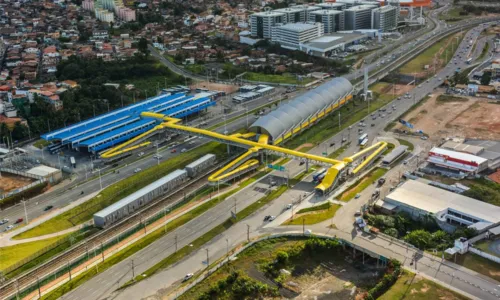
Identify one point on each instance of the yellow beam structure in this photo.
(382, 147)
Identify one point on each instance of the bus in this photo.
(362, 137)
(469, 61)
(363, 143)
(317, 175)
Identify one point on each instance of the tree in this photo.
(72, 71)
(391, 232)
(486, 78)
(143, 46)
(419, 238)
(19, 131)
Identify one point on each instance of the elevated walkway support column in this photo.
(307, 165)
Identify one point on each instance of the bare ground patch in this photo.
(10, 182)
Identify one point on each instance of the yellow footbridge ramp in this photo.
(246, 160)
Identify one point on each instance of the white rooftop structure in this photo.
(457, 160)
(298, 27)
(419, 199)
(42, 171)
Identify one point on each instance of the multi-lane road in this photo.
(103, 285)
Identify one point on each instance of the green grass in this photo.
(484, 52)
(217, 230)
(13, 254)
(327, 127)
(484, 190)
(412, 287)
(284, 78)
(141, 244)
(390, 146)
(195, 68)
(314, 216)
(426, 57)
(453, 15)
(452, 47)
(339, 151)
(450, 98)
(119, 190)
(149, 85)
(323, 206)
(479, 264)
(406, 143)
(362, 184)
(41, 143)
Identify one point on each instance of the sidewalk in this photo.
(6, 237)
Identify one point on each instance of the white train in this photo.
(133, 202)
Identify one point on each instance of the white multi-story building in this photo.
(353, 3)
(359, 17)
(332, 20)
(102, 8)
(294, 14)
(104, 15)
(293, 35)
(385, 18)
(332, 5)
(261, 23)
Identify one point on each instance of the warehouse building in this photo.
(262, 22)
(385, 18)
(292, 35)
(449, 209)
(359, 17)
(52, 175)
(128, 205)
(332, 20)
(457, 161)
(327, 45)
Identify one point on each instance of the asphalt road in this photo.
(102, 286)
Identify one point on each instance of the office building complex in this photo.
(261, 23)
(385, 18)
(332, 20)
(332, 6)
(359, 17)
(293, 35)
(353, 3)
(293, 14)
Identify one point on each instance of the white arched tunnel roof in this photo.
(291, 114)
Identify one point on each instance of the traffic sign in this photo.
(276, 167)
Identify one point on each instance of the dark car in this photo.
(19, 220)
(266, 218)
(49, 207)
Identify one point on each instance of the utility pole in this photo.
(100, 180)
(176, 243)
(208, 262)
(248, 232)
(25, 211)
(339, 120)
(227, 249)
(38, 284)
(69, 271)
(133, 271)
(303, 226)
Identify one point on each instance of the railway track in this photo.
(32, 277)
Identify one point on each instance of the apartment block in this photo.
(359, 17)
(261, 23)
(385, 18)
(293, 35)
(332, 20)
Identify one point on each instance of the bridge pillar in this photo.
(228, 149)
(307, 165)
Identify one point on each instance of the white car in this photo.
(184, 150)
(137, 170)
(4, 221)
(271, 218)
(9, 227)
(188, 276)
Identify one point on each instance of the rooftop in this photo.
(298, 27)
(326, 12)
(458, 155)
(361, 7)
(268, 14)
(328, 41)
(434, 200)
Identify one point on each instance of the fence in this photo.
(99, 249)
(485, 255)
(38, 180)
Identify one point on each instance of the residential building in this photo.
(332, 20)
(359, 17)
(293, 35)
(385, 18)
(261, 23)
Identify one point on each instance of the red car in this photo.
(20, 220)
(173, 151)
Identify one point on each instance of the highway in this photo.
(64, 197)
(102, 286)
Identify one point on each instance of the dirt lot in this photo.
(215, 87)
(10, 182)
(475, 118)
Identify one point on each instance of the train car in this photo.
(200, 164)
(318, 174)
(128, 205)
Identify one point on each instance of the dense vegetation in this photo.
(92, 97)
(392, 273)
(423, 233)
(484, 190)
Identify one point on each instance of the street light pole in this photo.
(25, 211)
(100, 180)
